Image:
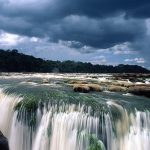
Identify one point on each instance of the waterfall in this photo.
(70, 126)
(67, 130)
(132, 130)
(139, 135)
(21, 136)
(7, 103)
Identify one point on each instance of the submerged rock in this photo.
(3, 142)
(140, 90)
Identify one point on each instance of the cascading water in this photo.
(73, 126)
(132, 130)
(7, 104)
(65, 131)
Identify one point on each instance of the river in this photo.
(41, 112)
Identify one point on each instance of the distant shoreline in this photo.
(13, 61)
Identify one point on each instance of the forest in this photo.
(13, 61)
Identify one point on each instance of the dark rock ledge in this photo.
(3, 142)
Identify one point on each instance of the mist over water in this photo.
(68, 121)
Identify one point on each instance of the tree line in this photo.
(13, 61)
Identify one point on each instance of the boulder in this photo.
(81, 88)
(3, 142)
(85, 88)
(45, 81)
(95, 87)
(140, 90)
(113, 88)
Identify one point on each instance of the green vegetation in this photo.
(27, 106)
(12, 61)
(95, 144)
(32, 99)
(29, 103)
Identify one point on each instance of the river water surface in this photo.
(41, 112)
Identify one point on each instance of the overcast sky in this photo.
(96, 31)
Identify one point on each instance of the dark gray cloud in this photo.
(98, 33)
(48, 9)
(92, 23)
(98, 24)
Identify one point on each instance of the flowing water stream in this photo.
(50, 117)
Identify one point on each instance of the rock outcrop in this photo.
(3, 142)
(81, 88)
(113, 88)
(95, 87)
(77, 82)
(85, 88)
(140, 90)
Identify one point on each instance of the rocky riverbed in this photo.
(137, 84)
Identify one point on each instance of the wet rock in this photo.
(122, 83)
(132, 79)
(77, 82)
(85, 88)
(141, 84)
(81, 88)
(45, 81)
(3, 142)
(140, 90)
(113, 88)
(105, 83)
(95, 87)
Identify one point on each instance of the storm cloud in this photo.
(83, 25)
